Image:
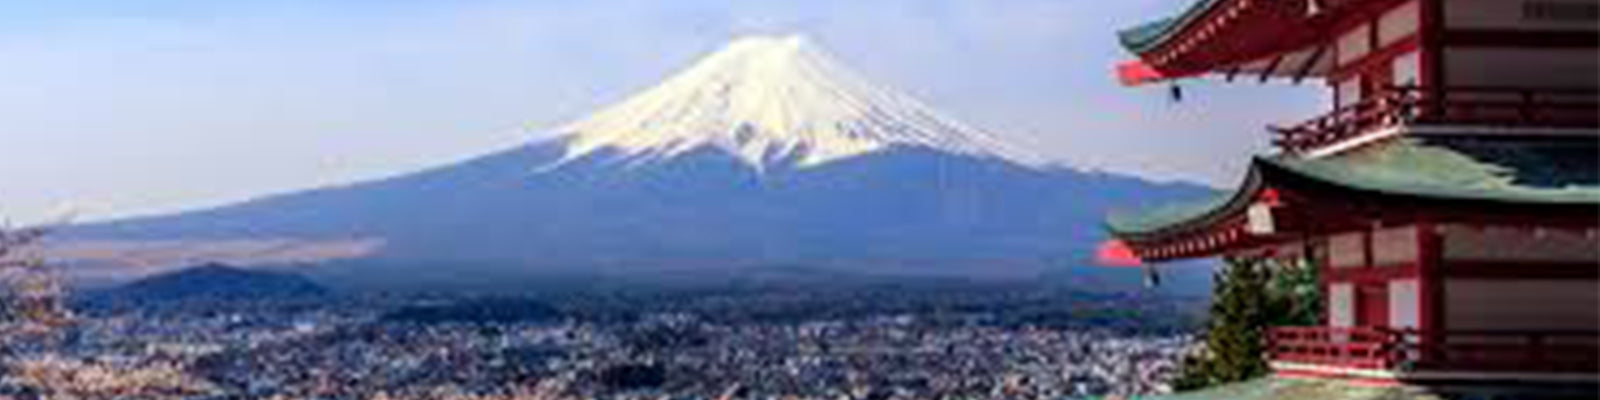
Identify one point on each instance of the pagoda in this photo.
(1450, 198)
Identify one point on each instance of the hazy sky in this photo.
(122, 107)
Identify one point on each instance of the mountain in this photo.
(771, 101)
(765, 154)
(213, 282)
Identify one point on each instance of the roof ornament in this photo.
(1152, 277)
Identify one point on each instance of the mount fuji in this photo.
(766, 154)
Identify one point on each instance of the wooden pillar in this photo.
(1323, 262)
(1430, 287)
(1367, 257)
(1430, 26)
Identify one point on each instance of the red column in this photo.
(1430, 27)
(1430, 286)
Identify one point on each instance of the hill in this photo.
(214, 283)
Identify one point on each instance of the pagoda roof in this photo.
(1270, 38)
(1444, 176)
(1532, 172)
(1148, 36)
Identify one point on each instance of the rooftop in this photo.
(1150, 35)
(1506, 171)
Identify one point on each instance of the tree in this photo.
(1239, 321)
(1249, 296)
(1296, 297)
(30, 294)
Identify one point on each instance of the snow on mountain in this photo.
(773, 100)
(766, 154)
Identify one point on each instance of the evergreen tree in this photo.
(1296, 295)
(1250, 295)
(1239, 321)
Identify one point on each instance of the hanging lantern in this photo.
(1152, 277)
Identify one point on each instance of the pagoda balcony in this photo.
(1407, 354)
(1465, 109)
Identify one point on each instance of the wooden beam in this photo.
(1372, 274)
(1521, 39)
(1576, 270)
(1311, 63)
(1271, 67)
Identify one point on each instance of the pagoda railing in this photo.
(1371, 348)
(1482, 106)
(1413, 350)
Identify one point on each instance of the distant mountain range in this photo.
(765, 154)
(214, 283)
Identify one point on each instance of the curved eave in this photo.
(1200, 216)
(1220, 227)
(1268, 172)
(1148, 36)
(1439, 193)
(1233, 36)
(1203, 231)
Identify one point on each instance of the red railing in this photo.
(1491, 351)
(1348, 347)
(1486, 106)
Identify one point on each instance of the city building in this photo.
(1450, 198)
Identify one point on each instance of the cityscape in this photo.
(362, 349)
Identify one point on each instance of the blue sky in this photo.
(125, 107)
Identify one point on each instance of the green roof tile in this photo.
(1530, 171)
(1148, 36)
(1525, 171)
(1157, 217)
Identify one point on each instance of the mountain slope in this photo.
(907, 204)
(764, 154)
(214, 282)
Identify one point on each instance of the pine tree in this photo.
(1296, 295)
(1239, 322)
(1240, 313)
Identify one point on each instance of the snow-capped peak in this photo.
(769, 100)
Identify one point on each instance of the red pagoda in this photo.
(1450, 200)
